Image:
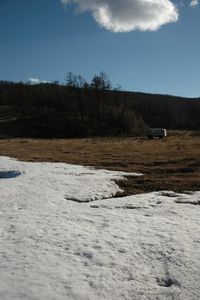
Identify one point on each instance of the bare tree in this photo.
(70, 79)
(101, 82)
(76, 81)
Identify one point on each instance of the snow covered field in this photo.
(60, 240)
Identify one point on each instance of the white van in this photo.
(156, 133)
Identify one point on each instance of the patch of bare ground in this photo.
(169, 164)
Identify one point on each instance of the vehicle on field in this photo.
(156, 133)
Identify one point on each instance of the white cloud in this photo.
(194, 3)
(34, 80)
(128, 15)
(37, 81)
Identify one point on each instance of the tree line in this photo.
(82, 109)
(99, 81)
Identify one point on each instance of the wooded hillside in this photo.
(53, 110)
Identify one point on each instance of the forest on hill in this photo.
(79, 109)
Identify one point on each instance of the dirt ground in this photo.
(169, 164)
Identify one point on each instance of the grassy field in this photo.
(169, 164)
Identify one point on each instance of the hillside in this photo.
(52, 110)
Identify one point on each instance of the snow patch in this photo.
(138, 247)
(72, 182)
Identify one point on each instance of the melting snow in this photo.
(137, 247)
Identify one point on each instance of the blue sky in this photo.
(45, 39)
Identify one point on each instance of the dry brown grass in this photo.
(169, 164)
